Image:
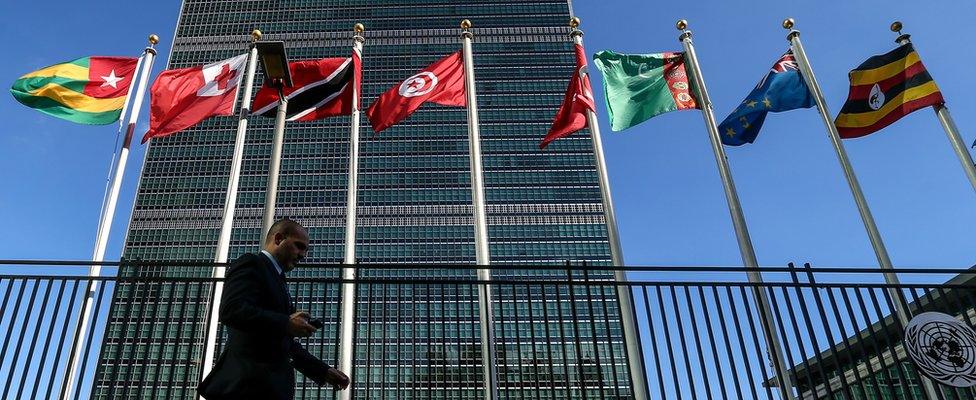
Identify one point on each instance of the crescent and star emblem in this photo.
(418, 85)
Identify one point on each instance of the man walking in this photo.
(262, 324)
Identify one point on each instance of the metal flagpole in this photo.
(482, 256)
(942, 112)
(624, 294)
(279, 139)
(862, 205)
(108, 213)
(230, 204)
(348, 323)
(748, 253)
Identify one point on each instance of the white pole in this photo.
(948, 124)
(108, 213)
(483, 258)
(746, 250)
(942, 112)
(862, 205)
(279, 138)
(624, 294)
(348, 322)
(230, 204)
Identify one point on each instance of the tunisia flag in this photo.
(571, 116)
(181, 98)
(442, 83)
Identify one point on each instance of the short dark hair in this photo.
(284, 226)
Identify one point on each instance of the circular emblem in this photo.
(684, 97)
(943, 348)
(680, 85)
(418, 85)
(877, 97)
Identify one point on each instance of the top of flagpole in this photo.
(575, 23)
(682, 26)
(788, 25)
(465, 28)
(256, 35)
(902, 38)
(358, 30)
(153, 40)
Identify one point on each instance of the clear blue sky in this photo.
(666, 188)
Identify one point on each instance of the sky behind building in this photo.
(667, 193)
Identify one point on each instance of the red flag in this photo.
(571, 116)
(321, 89)
(442, 83)
(181, 98)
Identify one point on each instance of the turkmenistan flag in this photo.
(640, 86)
(90, 90)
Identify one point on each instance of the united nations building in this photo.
(543, 208)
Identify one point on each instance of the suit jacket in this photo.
(255, 307)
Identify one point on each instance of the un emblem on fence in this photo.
(942, 348)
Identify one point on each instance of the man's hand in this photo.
(298, 325)
(337, 379)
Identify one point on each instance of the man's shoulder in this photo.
(248, 260)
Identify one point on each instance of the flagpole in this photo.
(230, 204)
(108, 214)
(624, 294)
(348, 323)
(748, 253)
(279, 138)
(862, 206)
(482, 256)
(948, 124)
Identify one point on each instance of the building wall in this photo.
(543, 207)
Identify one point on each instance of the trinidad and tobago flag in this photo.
(322, 88)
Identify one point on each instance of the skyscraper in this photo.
(544, 207)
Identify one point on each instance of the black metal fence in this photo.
(559, 331)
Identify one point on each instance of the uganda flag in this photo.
(885, 88)
(90, 90)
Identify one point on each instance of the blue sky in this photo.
(666, 188)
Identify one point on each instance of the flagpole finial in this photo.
(788, 23)
(682, 24)
(465, 24)
(153, 39)
(574, 22)
(902, 37)
(255, 35)
(359, 28)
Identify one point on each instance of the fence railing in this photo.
(558, 330)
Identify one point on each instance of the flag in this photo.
(442, 83)
(89, 90)
(782, 89)
(641, 86)
(321, 89)
(885, 88)
(571, 116)
(181, 98)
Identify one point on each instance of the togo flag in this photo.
(641, 86)
(90, 90)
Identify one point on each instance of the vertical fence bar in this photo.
(891, 341)
(698, 346)
(826, 327)
(650, 329)
(796, 331)
(728, 347)
(711, 343)
(47, 340)
(755, 340)
(37, 333)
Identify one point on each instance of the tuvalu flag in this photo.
(321, 89)
(885, 88)
(442, 82)
(641, 86)
(782, 89)
(89, 90)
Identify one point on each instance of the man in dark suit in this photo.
(262, 326)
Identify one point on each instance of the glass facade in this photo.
(544, 207)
